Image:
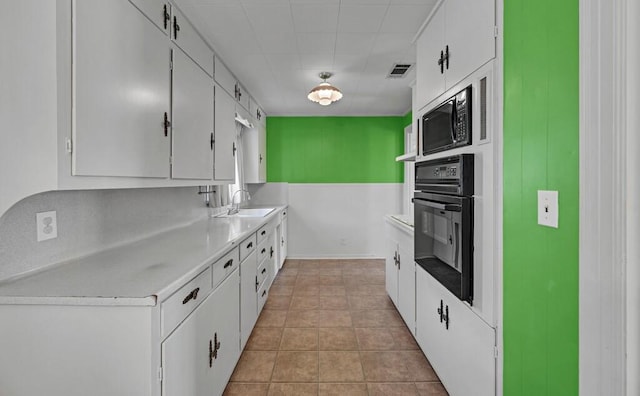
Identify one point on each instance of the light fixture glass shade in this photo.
(325, 94)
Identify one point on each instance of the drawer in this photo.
(247, 246)
(225, 266)
(266, 230)
(263, 271)
(177, 307)
(263, 250)
(263, 294)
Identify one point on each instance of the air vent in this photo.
(399, 70)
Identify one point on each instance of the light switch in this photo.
(548, 208)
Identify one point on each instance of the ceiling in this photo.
(277, 48)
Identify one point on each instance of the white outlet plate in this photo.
(46, 225)
(548, 208)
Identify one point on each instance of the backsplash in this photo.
(90, 221)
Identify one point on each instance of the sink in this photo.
(250, 213)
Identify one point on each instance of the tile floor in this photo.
(329, 328)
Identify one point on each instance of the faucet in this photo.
(234, 210)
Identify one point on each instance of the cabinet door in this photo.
(469, 35)
(243, 97)
(262, 153)
(159, 12)
(224, 78)
(462, 354)
(121, 92)
(192, 126)
(225, 137)
(391, 270)
(199, 357)
(187, 38)
(430, 80)
(251, 155)
(283, 238)
(407, 287)
(248, 297)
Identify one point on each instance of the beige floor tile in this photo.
(374, 339)
(299, 339)
(285, 281)
(240, 389)
(279, 290)
(277, 302)
(302, 319)
(282, 389)
(376, 318)
(299, 302)
(383, 366)
(291, 263)
(254, 366)
(370, 302)
(306, 270)
(418, 366)
(327, 389)
(288, 271)
(264, 339)
(367, 290)
(431, 389)
(334, 302)
(307, 280)
(306, 290)
(330, 280)
(340, 366)
(334, 318)
(397, 389)
(272, 318)
(332, 290)
(402, 338)
(337, 339)
(296, 367)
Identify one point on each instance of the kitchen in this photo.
(331, 175)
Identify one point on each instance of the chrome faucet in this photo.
(234, 209)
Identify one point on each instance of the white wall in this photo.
(340, 220)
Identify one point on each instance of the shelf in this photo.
(406, 157)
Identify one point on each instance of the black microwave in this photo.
(448, 125)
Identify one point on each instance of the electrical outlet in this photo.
(548, 208)
(46, 225)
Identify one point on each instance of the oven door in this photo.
(437, 128)
(444, 240)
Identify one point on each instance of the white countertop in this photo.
(139, 273)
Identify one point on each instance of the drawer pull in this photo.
(263, 232)
(249, 245)
(264, 270)
(264, 292)
(263, 250)
(228, 264)
(214, 345)
(271, 253)
(191, 296)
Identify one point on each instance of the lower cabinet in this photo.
(400, 273)
(248, 300)
(199, 357)
(457, 342)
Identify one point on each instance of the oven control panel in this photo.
(453, 175)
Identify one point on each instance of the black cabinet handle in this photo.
(176, 28)
(446, 57)
(214, 346)
(441, 311)
(249, 245)
(260, 156)
(166, 124)
(191, 296)
(271, 253)
(264, 270)
(234, 149)
(441, 62)
(212, 141)
(282, 241)
(166, 16)
(228, 264)
(257, 284)
(446, 317)
(263, 250)
(398, 261)
(264, 292)
(263, 232)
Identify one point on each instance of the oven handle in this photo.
(454, 120)
(438, 205)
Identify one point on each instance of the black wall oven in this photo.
(448, 125)
(443, 219)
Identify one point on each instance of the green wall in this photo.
(540, 153)
(335, 149)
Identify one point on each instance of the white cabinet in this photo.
(187, 38)
(159, 12)
(192, 120)
(224, 137)
(283, 238)
(458, 344)
(224, 78)
(199, 357)
(242, 96)
(248, 300)
(459, 38)
(121, 100)
(400, 272)
(254, 143)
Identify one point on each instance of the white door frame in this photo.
(609, 235)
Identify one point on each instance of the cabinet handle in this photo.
(166, 124)
(228, 264)
(260, 158)
(236, 91)
(271, 253)
(214, 346)
(263, 232)
(395, 258)
(191, 296)
(176, 28)
(234, 149)
(282, 241)
(257, 284)
(166, 15)
(263, 250)
(264, 292)
(398, 261)
(264, 270)
(446, 57)
(212, 141)
(249, 245)
(441, 311)
(441, 62)
(446, 317)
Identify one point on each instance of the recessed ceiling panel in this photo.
(315, 18)
(361, 18)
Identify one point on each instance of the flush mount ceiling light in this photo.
(325, 93)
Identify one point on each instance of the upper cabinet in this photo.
(459, 38)
(257, 112)
(159, 12)
(229, 83)
(192, 120)
(254, 156)
(224, 137)
(121, 105)
(187, 38)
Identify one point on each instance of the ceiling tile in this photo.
(352, 2)
(402, 18)
(270, 18)
(229, 18)
(316, 18)
(263, 2)
(318, 2)
(309, 43)
(286, 62)
(392, 44)
(349, 62)
(278, 43)
(359, 44)
(361, 18)
(317, 61)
